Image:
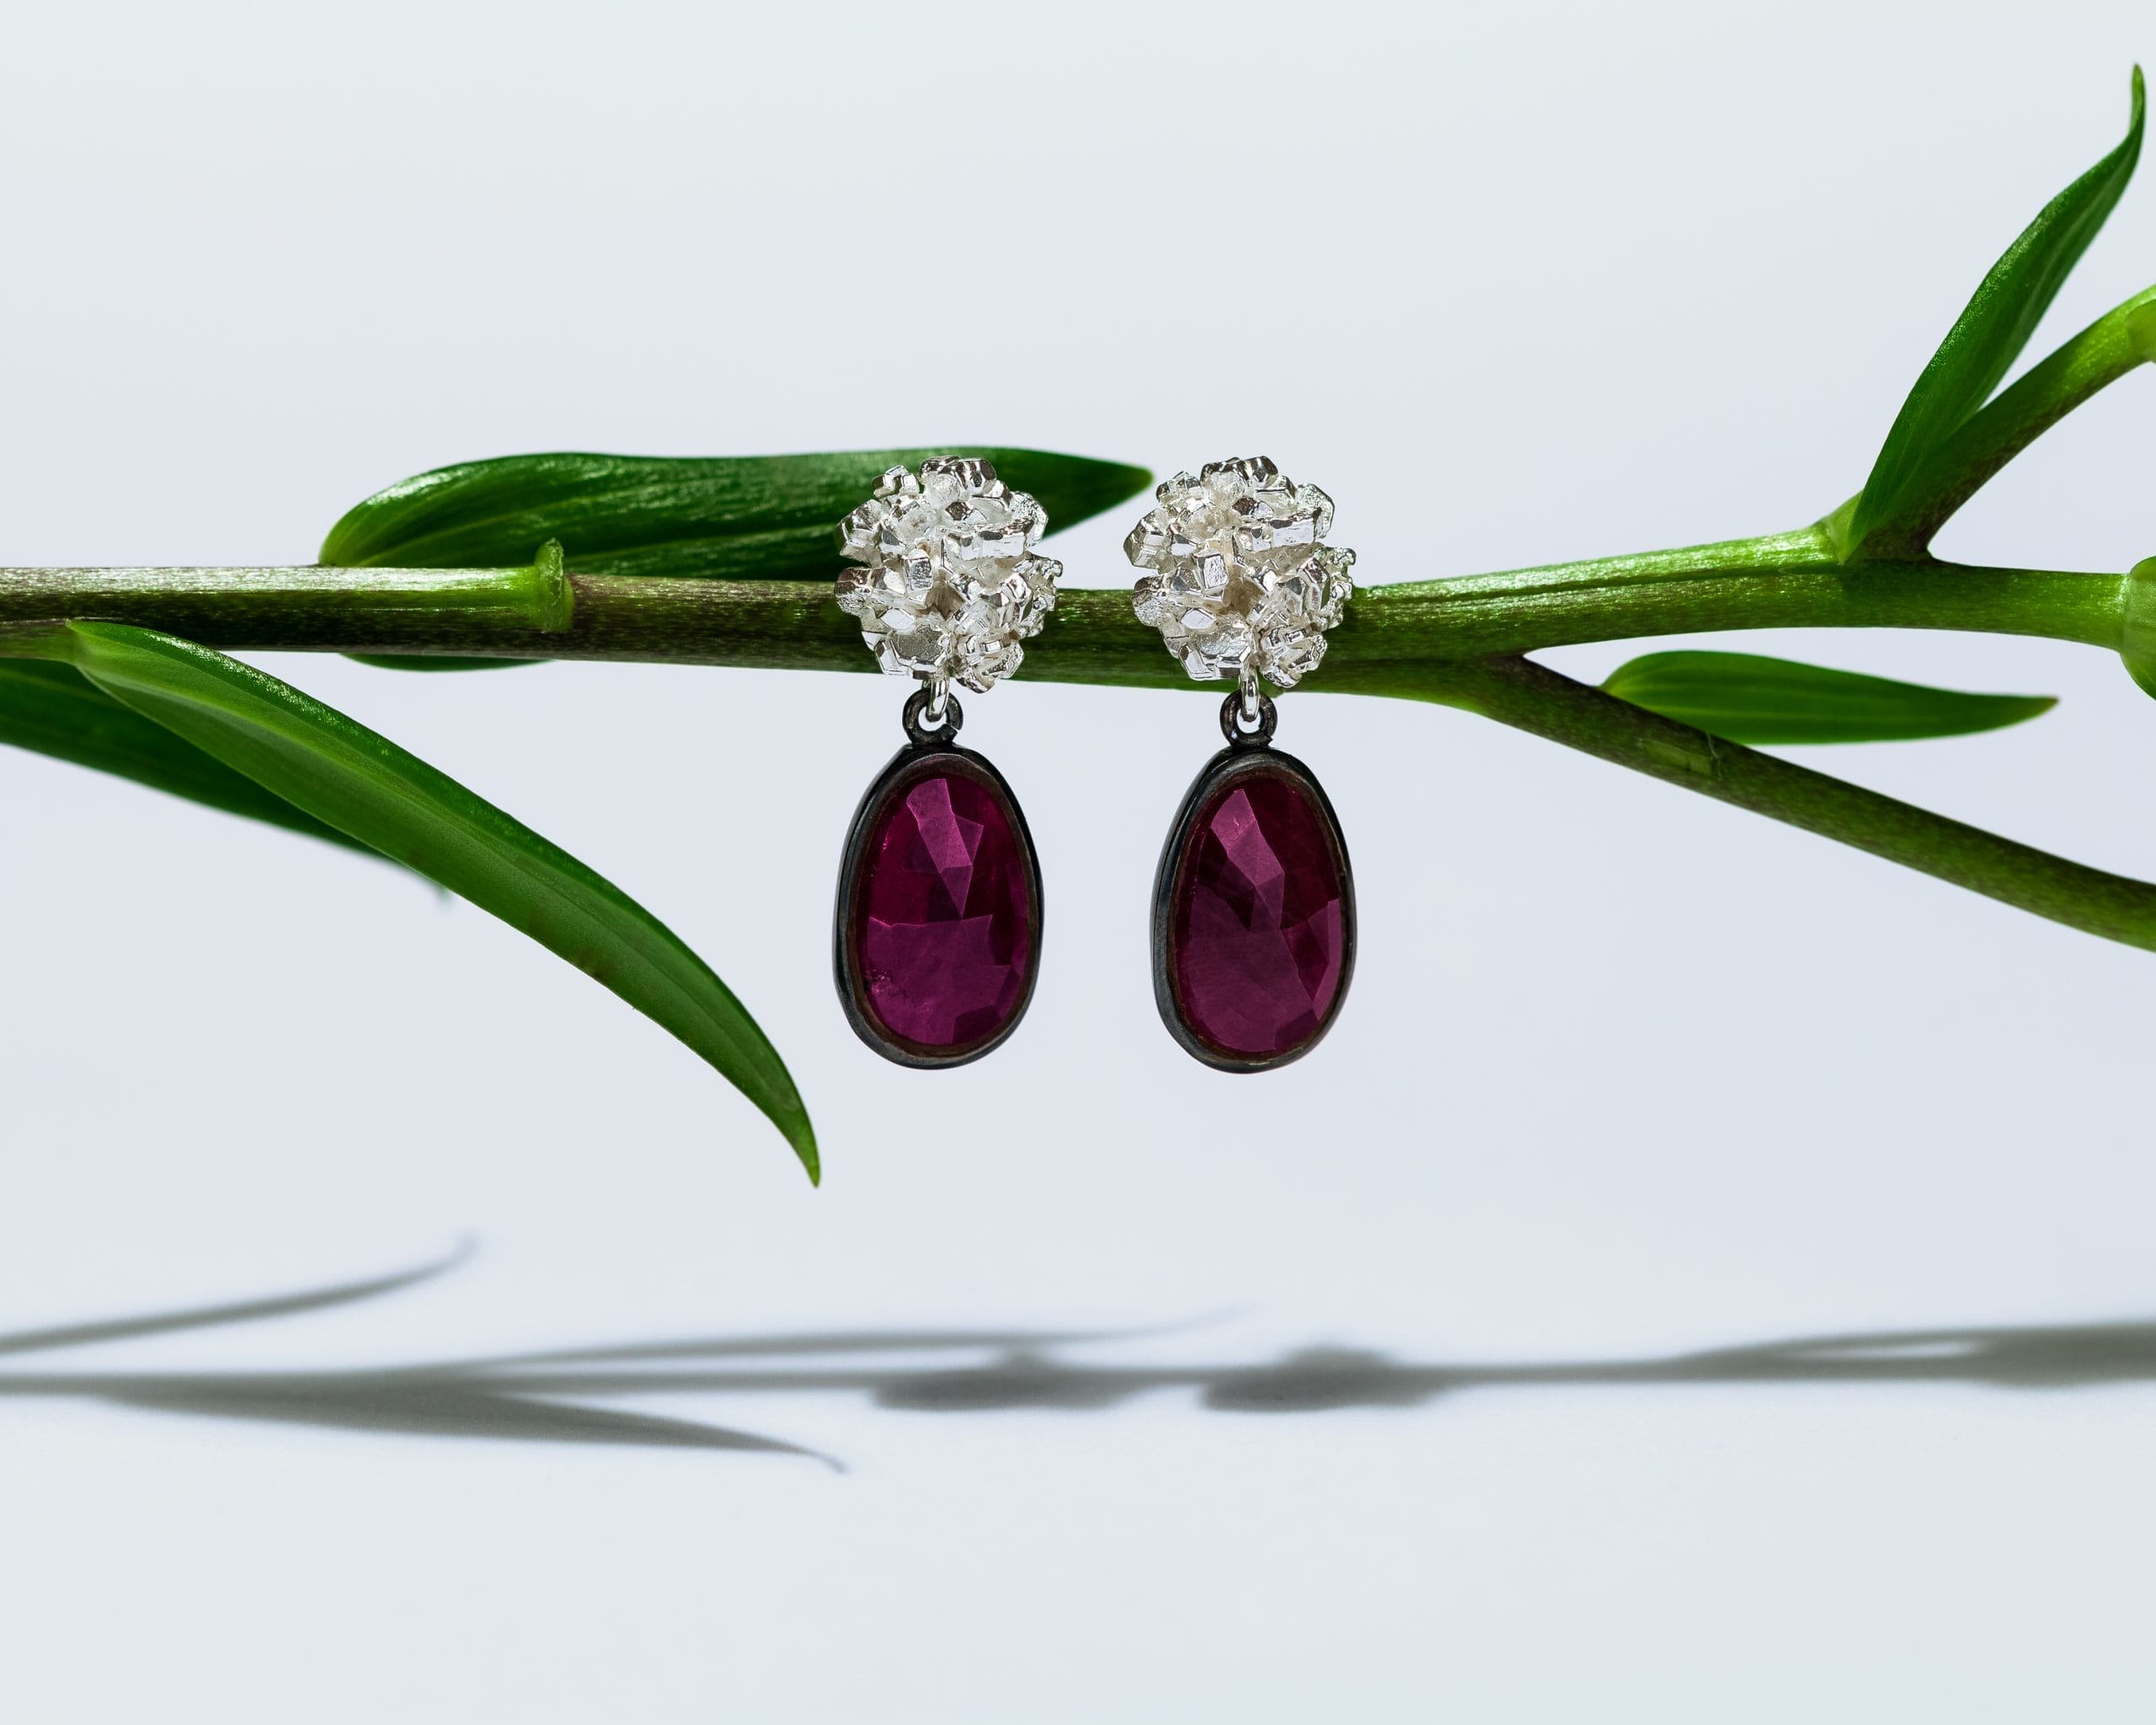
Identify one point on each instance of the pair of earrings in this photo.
(937, 936)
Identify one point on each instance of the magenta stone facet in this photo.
(939, 911)
(1256, 914)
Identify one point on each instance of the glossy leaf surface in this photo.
(1748, 698)
(2090, 361)
(53, 709)
(435, 661)
(361, 783)
(746, 518)
(1995, 325)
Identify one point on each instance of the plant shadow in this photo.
(547, 1398)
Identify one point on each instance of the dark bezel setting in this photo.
(1248, 755)
(927, 753)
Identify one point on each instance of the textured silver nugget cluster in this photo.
(1241, 584)
(950, 584)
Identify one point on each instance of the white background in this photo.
(1625, 1073)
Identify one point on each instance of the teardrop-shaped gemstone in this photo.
(1258, 916)
(940, 911)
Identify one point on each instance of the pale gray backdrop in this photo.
(1625, 1073)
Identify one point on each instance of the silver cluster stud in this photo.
(948, 583)
(1241, 585)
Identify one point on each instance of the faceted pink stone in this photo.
(1257, 924)
(943, 914)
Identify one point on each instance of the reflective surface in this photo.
(1630, 1083)
(938, 921)
(1258, 913)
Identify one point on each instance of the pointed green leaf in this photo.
(2090, 361)
(53, 709)
(362, 784)
(1745, 698)
(1995, 326)
(435, 661)
(752, 518)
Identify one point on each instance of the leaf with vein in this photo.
(1746, 698)
(349, 778)
(1995, 326)
(53, 709)
(759, 518)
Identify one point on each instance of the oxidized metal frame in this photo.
(926, 753)
(1248, 754)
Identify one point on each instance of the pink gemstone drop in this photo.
(943, 914)
(1257, 923)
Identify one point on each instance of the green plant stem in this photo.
(1779, 580)
(1455, 641)
(1789, 581)
(1533, 697)
(305, 606)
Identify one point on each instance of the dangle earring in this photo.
(1254, 902)
(937, 934)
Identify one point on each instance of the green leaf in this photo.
(435, 661)
(1995, 326)
(1746, 698)
(52, 709)
(364, 785)
(2087, 361)
(750, 518)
